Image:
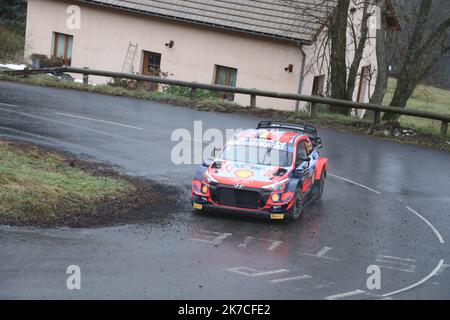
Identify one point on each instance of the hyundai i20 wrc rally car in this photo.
(272, 171)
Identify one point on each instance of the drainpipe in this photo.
(302, 75)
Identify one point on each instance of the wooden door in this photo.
(226, 76)
(151, 67)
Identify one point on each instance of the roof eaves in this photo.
(212, 25)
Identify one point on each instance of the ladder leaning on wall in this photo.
(129, 58)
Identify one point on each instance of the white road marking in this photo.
(441, 240)
(98, 120)
(396, 263)
(291, 279)
(273, 243)
(355, 183)
(62, 123)
(345, 295)
(398, 258)
(255, 273)
(321, 254)
(210, 236)
(442, 269)
(9, 105)
(325, 285)
(434, 272)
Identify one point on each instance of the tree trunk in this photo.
(338, 32)
(382, 61)
(359, 51)
(407, 80)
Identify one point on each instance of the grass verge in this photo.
(424, 137)
(45, 188)
(424, 98)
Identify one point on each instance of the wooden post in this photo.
(312, 110)
(85, 77)
(444, 129)
(376, 118)
(138, 85)
(253, 101)
(193, 93)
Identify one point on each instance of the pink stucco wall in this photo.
(315, 66)
(102, 43)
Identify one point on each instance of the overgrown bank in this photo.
(46, 188)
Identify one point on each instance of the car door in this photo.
(305, 150)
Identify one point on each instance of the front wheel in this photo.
(297, 208)
(319, 185)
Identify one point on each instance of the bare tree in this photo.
(382, 57)
(332, 43)
(425, 48)
(360, 45)
(338, 64)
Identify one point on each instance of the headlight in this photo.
(208, 178)
(277, 186)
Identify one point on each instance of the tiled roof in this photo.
(284, 19)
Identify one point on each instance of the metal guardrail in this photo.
(253, 93)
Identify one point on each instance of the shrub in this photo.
(11, 45)
(45, 62)
(186, 92)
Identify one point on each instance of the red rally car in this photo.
(272, 171)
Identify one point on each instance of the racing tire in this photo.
(319, 186)
(297, 208)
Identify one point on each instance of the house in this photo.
(263, 44)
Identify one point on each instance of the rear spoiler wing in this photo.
(310, 131)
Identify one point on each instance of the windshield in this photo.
(261, 155)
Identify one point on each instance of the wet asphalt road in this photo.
(384, 204)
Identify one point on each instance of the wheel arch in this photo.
(322, 166)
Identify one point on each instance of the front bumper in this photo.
(273, 212)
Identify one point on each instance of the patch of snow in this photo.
(13, 66)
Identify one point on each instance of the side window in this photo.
(301, 152)
(309, 147)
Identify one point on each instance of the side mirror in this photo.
(207, 162)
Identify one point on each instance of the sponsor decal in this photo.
(254, 142)
(198, 206)
(244, 174)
